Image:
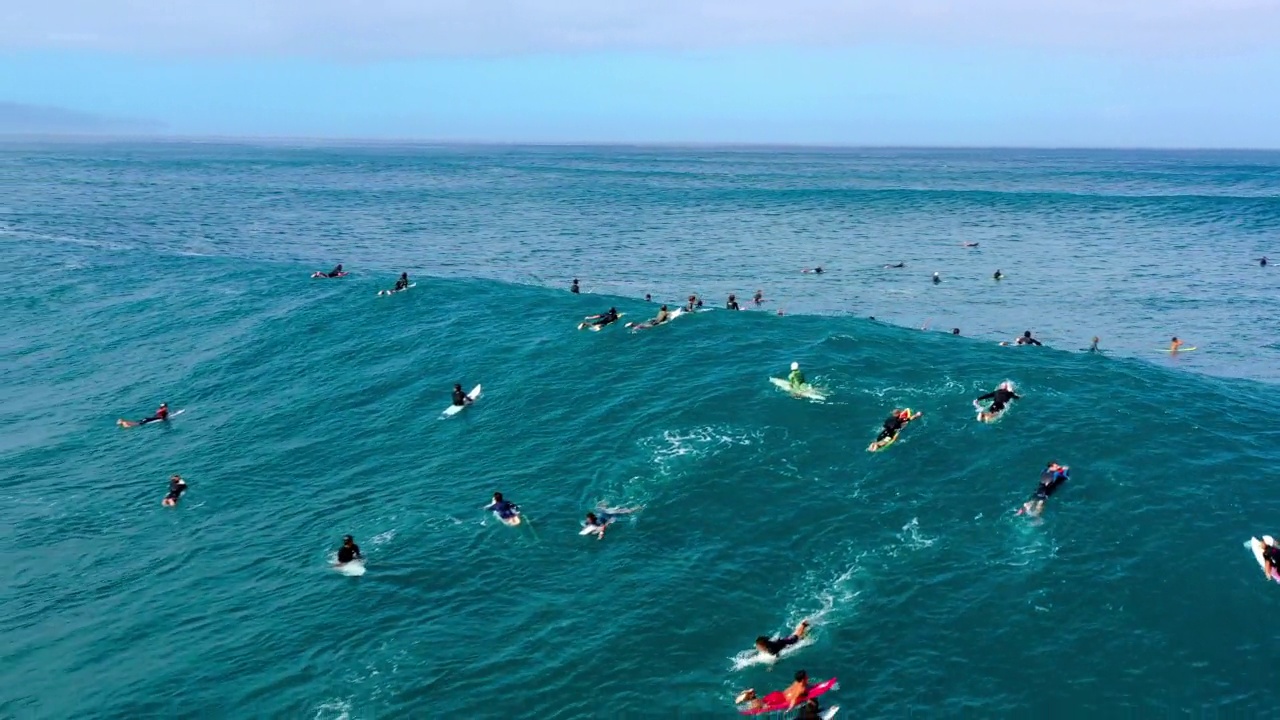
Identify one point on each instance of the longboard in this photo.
(805, 391)
(1179, 350)
(455, 409)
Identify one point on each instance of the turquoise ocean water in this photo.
(138, 273)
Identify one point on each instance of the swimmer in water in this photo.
(897, 265)
(937, 278)
(999, 398)
(1050, 480)
(596, 522)
(759, 297)
(971, 244)
(574, 287)
(506, 511)
(999, 275)
(459, 397)
(177, 486)
(162, 415)
(1174, 345)
(732, 304)
(349, 551)
(773, 646)
(810, 710)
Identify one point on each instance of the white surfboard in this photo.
(455, 409)
(393, 292)
(355, 568)
(805, 391)
(1256, 545)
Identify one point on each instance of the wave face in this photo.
(312, 409)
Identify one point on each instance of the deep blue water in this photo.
(180, 272)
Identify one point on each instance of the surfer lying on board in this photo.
(815, 271)
(1270, 556)
(794, 694)
(796, 378)
(604, 318)
(162, 415)
(506, 511)
(771, 646)
(896, 265)
(895, 422)
(733, 303)
(336, 272)
(349, 551)
(596, 523)
(1050, 480)
(176, 487)
(999, 398)
(460, 397)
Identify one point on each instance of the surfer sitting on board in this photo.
(402, 283)
(162, 414)
(1174, 345)
(999, 398)
(460, 397)
(998, 276)
(336, 272)
(176, 487)
(694, 303)
(604, 318)
(1094, 347)
(1050, 480)
(574, 287)
(349, 551)
(1270, 556)
(796, 378)
(506, 511)
(937, 278)
(595, 524)
(733, 303)
(772, 647)
(1026, 339)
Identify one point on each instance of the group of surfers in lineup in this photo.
(798, 694)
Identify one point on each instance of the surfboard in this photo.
(649, 323)
(393, 292)
(512, 521)
(775, 702)
(1179, 350)
(597, 328)
(805, 391)
(455, 409)
(1256, 545)
(355, 568)
(590, 529)
(877, 447)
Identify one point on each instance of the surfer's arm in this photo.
(988, 396)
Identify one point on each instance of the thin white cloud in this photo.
(374, 29)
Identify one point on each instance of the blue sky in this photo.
(1182, 73)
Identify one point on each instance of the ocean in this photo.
(180, 272)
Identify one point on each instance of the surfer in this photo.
(1026, 339)
(1262, 261)
(596, 523)
(955, 331)
(999, 398)
(937, 278)
(815, 271)
(999, 275)
(177, 486)
(402, 283)
(459, 397)
(796, 378)
(771, 646)
(896, 265)
(604, 318)
(1174, 344)
(1094, 346)
(759, 297)
(162, 415)
(574, 287)
(1050, 480)
(1270, 557)
(971, 244)
(733, 303)
(648, 297)
(894, 424)
(506, 511)
(349, 551)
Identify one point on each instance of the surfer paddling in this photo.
(507, 511)
(773, 646)
(999, 398)
(1050, 480)
(177, 486)
(815, 271)
(1026, 339)
(349, 551)
(596, 522)
(162, 415)
(337, 272)
(598, 321)
(795, 693)
(893, 425)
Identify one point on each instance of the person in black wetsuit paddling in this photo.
(177, 486)
(1050, 480)
(1026, 339)
(602, 319)
(349, 551)
(460, 397)
(896, 265)
(162, 415)
(771, 646)
(897, 420)
(999, 398)
(732, 304)
(337, 272)
(574, 287)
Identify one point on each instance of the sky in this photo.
(1048, 73)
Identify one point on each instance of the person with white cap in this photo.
(1270, 557)
(796, 378)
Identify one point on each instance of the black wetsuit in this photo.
(1024, 340)
(1049, 484)
(606, 318)
(160, 416)
(999, 398)
(335, 272)
(574, 289)
(459, 397)
(891, 428)
(176, 488)
(773, 647)
(899, 265)
(402, 284)
(347, 553)
(731, 305)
